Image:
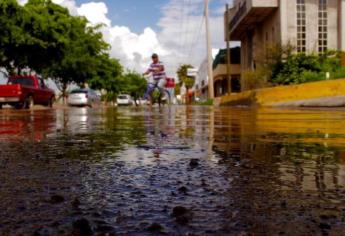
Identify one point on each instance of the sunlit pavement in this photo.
(176, 170)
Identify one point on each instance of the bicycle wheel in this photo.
(166, 97)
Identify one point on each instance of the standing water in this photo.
(175, 171)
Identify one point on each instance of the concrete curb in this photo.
(330, 93)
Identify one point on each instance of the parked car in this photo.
(142, 101)
(25, 91)
(124, 100)
(83, 97)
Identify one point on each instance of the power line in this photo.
(196, 39)
(185, 30)
(181, 28)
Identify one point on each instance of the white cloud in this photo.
(134, 50)
(95, 12)
(69, 4)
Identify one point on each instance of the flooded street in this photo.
(174, 171)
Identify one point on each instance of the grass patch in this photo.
(208, 102)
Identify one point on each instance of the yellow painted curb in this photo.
(285, 95)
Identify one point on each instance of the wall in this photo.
(267, 33)
(288, 10)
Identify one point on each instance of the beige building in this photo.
(309, 25)
(220, 72)
(220, 75)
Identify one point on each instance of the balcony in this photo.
(221, 71)
(247, 13)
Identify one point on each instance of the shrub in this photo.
(340, 73)
(279, 65)
(302, 68)
(255, 79)
(309, 76)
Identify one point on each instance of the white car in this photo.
(83, 97)
(142, 101)
(124, 100)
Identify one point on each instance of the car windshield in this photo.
(21, 81)
(79, 91)
(123, 97)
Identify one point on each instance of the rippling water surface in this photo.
(175, 171)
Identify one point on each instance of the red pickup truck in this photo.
(25, 91)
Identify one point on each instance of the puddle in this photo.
(175, 171)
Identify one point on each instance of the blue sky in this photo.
(136, 14)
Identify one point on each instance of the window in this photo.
(42, 85)
(79, 91)
(323, 27)
(22, 81)
(301, 26)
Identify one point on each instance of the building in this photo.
(220, 77)
(201, 82)
(308, 25)
(200, 88)
(220, 72)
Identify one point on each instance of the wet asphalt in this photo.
(172, 171)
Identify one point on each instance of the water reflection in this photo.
(26, 125)
(287, 168)
(236, 170)
(300, 142)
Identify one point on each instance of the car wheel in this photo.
(0, 106)
(29, 102)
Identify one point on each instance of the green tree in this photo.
(108, 76)
(13, 35)
(44, 37)
(134, 84)
(84, 54)
(188, 81)
(183, 76)
(47, 23)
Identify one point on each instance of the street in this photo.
(179, 170)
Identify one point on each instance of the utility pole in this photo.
(209, 54)
(227, 38)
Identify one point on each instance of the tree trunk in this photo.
(64, 93)
(136, 100)
(187, 96)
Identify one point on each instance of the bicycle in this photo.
(162, 96)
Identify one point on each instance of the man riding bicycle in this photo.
(158, 74)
